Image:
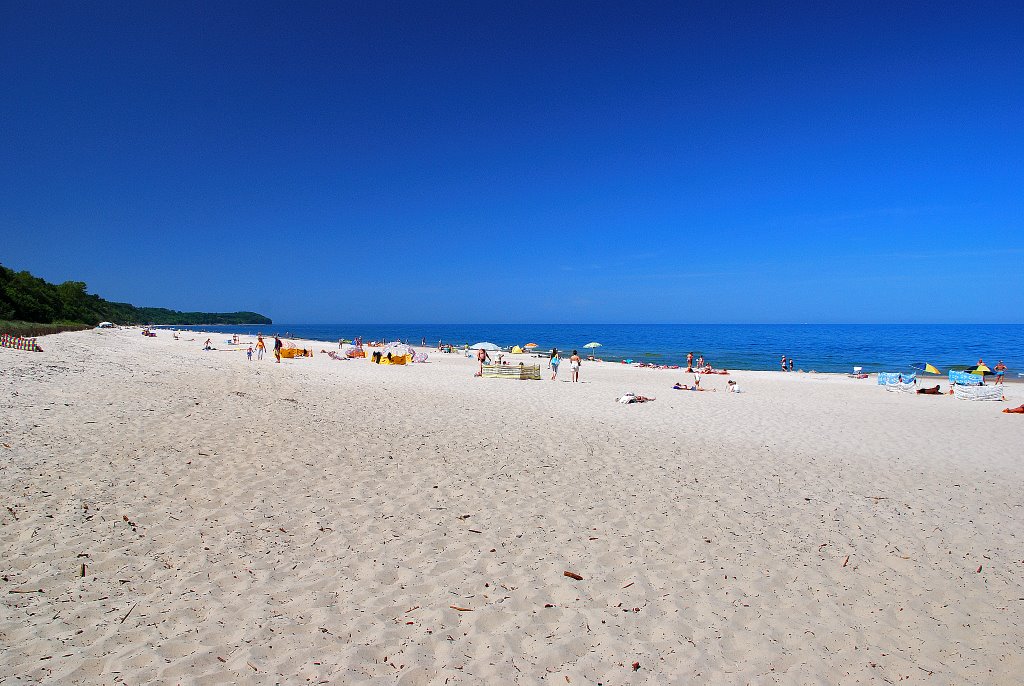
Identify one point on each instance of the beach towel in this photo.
(965, 378)
(978, 393)
(19, 343)
(891, 378)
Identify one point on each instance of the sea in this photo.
(817, 347)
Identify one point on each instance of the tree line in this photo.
(28, 298)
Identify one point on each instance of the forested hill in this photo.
(24, 297)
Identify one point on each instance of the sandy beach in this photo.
(178, 516)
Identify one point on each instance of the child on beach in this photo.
(248, 353)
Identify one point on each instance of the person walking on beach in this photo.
(481, 357)
(260, 347)
(574, 365)
(555, 361)
(784, 364)
(553, 355)
(248, 353)
(790, 363)
(689, 361)
(277, 348)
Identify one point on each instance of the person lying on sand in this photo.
(633, 398)
(695, 387)
(1014, 410)
(929, 391)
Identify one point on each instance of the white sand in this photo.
(316, 520)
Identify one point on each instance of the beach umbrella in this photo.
(980, 370)
(925, 367)
(530, 346)
(485, 346)
(592, 344)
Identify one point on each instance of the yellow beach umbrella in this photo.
(981, 370)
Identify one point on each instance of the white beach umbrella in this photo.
(485, 346)
(592, 344)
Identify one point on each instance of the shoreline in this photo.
(829, 349)
(253, 521)
(542, 358)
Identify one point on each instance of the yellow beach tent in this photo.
(517, 350)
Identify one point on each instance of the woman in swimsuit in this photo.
(574, 365)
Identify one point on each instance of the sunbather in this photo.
(929, 391)
(695, 387)
(633, 398)
(1014, 410)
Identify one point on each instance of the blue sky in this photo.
(523, 162)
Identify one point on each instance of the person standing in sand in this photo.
(784, 364)
(277, 348)
(555, 361)
(260, 347)
(1000, 370)
(689, 361)
(791, 363)
(481, 357)
(574, 365)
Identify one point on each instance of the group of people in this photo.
(261, 347)
(784, 360)
(730, 386)
(700, 366)
(555, 359)
(554, 362)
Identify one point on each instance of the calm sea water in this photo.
(826, 348)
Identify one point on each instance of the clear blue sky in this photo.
(525, 162)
